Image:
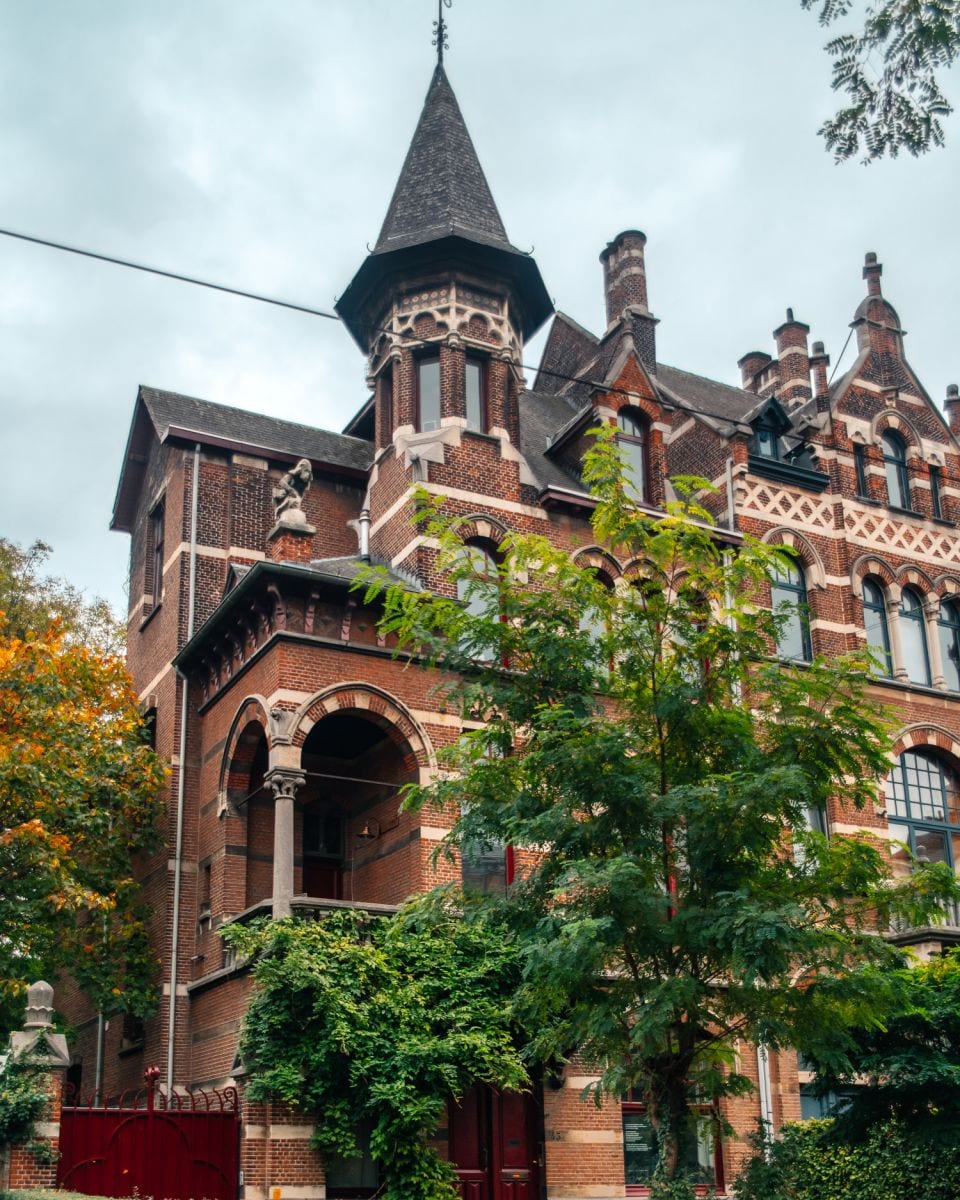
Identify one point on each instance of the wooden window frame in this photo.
(429, 358)
(638, 436)
(896, 469)
(702, 1189)
(879, 608)
(156, 522)
(481, 363)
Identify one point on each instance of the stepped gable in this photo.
(442, 188)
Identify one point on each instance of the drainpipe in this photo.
(181, 774)
(766, 1097)
(365, 533)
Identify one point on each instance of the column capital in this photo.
(284, 782)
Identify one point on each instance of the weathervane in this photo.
(440, 31)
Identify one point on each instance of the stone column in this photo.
(931, 618)
(896, 642)
(284, 783)
(38, 1043)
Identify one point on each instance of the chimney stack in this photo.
(750, 366)
(791, 339)
(952, 408)
(872, 270)
(625, 292)
(819, 361)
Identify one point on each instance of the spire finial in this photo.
(440, 31)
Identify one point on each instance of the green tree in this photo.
(79, 800)
(32, 600)
(377, 1023)
(889, 71)
(907, 1069)
(655, 769)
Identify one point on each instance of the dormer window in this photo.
(766, 442)
(633, 440)
(428, 393)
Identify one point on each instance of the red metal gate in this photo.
(180, 1147)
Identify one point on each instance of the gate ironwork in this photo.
(185, 1146)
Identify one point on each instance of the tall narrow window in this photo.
(156, 554)
(895, 466)
(875, 626)
(428, 393)
(948, 630)
(936, 504)
(478, 593)
(788, 593)
(633, 440)
(923, 802)
(860, 466)
(913, 637)
(766, 442)
(475, 400)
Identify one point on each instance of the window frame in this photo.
(878, 607)
(480, 363)
(936, 496)
(860, 469)
(637, 436)
(896, 470)
(629, 1106)
(156, 522)
(800, 608)
(422, 362)
(914, 618)
(900, 808)
(948, 635)
(766, 435)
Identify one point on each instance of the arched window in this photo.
(948, 630)
(788, 594)
(923, 804)
(875, 625)
(913, 638)
(633, 440)
(895, 466)
(478, 592)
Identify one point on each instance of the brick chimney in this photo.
(625, 292)
(952, 408)
(791, 340)
(751, 366)
(819, 361)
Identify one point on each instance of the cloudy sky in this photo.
(256, 143)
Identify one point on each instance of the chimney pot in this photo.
(952, 406)
(872, 270)
(817, 348)
(789, 314)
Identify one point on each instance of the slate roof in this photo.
(442, 188)
(170, 410)
(542, 414)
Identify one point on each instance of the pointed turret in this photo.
(442, 217)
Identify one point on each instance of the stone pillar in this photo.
(896, 642)
(931, 618)
(284, 783)
(38, 1044)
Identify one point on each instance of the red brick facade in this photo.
(290, 685)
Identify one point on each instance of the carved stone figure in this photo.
(289, 493)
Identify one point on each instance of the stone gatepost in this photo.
(38, 1042)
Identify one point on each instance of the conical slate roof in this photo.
(442, 189)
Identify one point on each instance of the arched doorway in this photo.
(352, 842)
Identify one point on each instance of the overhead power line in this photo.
(135, 266)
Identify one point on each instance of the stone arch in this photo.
(926, 735)
(600, 560)
(375, 705)
(868, 565)
(481, 527)
(807, 552)
(913, 576)
(897, 422)
(250, 727)
(947, 586)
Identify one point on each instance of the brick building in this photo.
(289, 727)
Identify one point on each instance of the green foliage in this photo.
(909, 1067)
(889, 70)
(662, 770)
(32, 601)
(361, 1019)
(79, 800)
(23, 1098)
(809, 1163)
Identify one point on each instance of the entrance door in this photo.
(494, 1137)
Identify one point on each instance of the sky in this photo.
(257, 143)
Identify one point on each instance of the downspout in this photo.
(766, 1097)
(365, 533)
(182, 774)
(732, 521)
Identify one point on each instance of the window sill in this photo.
(861, 499)
(944, 521)
(150, 615)
(905, 512)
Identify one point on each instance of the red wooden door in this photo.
(494, 1139)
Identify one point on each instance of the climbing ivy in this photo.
(380, 1022)
(23, 1097)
